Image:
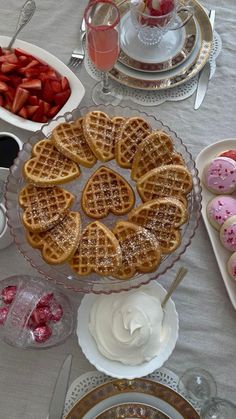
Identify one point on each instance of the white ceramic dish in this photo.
(77, 89)
(117, 369)
(222, 255)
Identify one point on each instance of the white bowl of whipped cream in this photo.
(128, 335)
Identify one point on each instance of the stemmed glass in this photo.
(102, 26)
(201, 387)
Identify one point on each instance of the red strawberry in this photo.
(1, 100)
(10, 93)
(32, 72)
(23, 113)
(31, 64)
(4, 78)
(38, 116)
(61, 98)
(64, 83)
(53, 111)
(12, 58)
(48, 93)
(7, 67)
(20, 98)
(33, 100)
(3, 86)
(14, 79)
(31, 109)
(56, 86)
(31, 84)
(1, 52)
(46, 106)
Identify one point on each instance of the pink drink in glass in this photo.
(103, 47)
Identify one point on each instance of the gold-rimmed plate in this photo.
(132, 411)
(175, 47)
(140, 390)
(179, 75)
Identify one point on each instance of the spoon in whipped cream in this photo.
(179, 276)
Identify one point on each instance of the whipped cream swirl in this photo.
(127, 327)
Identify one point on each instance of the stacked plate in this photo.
(180, 55)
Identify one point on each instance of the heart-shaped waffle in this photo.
(44, 207)
(106, 191)
(98, 251)
(163, 217)
(140, 250)
(58, 244)
(69, 140)
(133, 132)
(169, 180)
(154, 151)
(101, 133)
(48, 167)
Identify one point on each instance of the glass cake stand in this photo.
(63, 274)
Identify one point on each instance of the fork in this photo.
(78, 53)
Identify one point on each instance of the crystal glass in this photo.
(199, 384)
(217, 408)
(63, 274)
(152, 19)
(102, 25)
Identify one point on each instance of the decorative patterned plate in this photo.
(139, 390)
(176, 76)
(175, 47)
(63, 274)
(132, 410)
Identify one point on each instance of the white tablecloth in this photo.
(207, 319)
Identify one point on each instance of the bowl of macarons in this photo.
(217, 169)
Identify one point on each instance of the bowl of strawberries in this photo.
(35, 86)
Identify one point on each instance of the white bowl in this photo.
(77, 89)
(117, 369)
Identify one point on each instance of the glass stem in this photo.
(105, 87)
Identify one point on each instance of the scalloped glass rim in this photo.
(94, 283)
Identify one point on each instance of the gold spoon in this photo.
(179, 276)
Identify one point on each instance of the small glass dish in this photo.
(34, 313)
(63, 274)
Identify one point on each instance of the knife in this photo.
(59, 393)
(204, 75)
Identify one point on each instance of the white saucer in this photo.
(169, 46)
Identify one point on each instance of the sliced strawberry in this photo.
(20, 98)
(3, 86)
(23, 113)
(23, 60)
(1, 51)
(19, 52)
(33, 100)
(46, 106)
(7, 67)
(8, 102)
(31, 64)
(38, 116)
(64, 83)
(1, 100)
(53, 111)
(4, 78)
(32, 84)
(61, 98)
(11, 58)
(32, 72)
(10, 93)
(44, 119)
(56, 86)
(48, 93)
(52, 74)
(31, 109)
(7, 51)
(14, 80)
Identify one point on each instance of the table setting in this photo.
(117, 209)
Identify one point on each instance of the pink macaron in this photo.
(231, 266)
(220, 175)
(219, 209)
(228, 234)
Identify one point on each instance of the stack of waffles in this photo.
(133, 245)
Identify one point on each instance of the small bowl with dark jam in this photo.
(10, 145)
